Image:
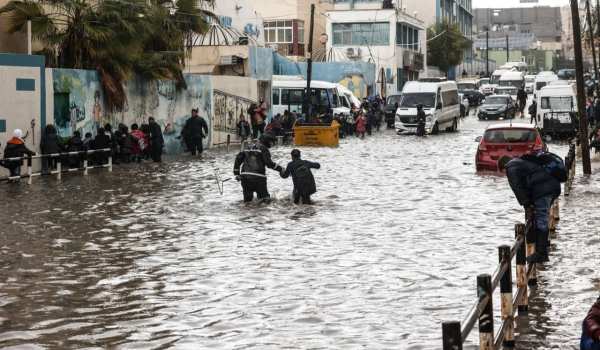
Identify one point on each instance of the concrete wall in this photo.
(357, 76)
(241, 15)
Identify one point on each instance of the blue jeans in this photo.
(542, 209)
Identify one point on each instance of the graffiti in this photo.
(225, 21)
(356, 84)
(228, 109)
(251, 29)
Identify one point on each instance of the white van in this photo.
(512, 79)
(541, 80)
(352, 99)
(516, 65)
(440, 103)
(495, 78)
(556, 98)
(289, 95)
(529, 83)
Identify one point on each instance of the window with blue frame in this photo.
(407, 36)
(361, 34)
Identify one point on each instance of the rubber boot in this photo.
(541, 248)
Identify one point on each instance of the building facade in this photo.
(286, 24)
(390, 38)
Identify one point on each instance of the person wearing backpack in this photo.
(304, 181)
(535, 179)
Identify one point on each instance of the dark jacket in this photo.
(591, 328)
(304, 182)
(529, 181)
(15, 148)
(156, 136)
(253, 162)
(126, 142)
(195, 127)
(533, 108)
(101, 141)
(521, 95)
(75, 144)
(243, 128)
(50, 144)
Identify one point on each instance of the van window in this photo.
(414, 99)
(275, 96)
(334, 98)
(344, 101)
(291, 97)
(512, 83)
(450, 98)
(466, 86)
(495, 79)
(509, 135)
(559, 103)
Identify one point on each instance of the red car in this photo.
(506, 139)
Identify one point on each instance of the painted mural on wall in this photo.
(77, 101)
(227, 111)
(79, 104)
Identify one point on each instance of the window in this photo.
(361, 34)
(407, 36)
(450, 98)
(300, 34)
(275, 96)
(278, 31)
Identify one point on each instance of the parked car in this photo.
(465, 107)
(485, 87)
(506, 139)
(470, 88)
(391, 106)
(497, 107)
(566, 74)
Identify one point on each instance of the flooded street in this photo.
(151, 257)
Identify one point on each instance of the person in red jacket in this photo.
(590, 337)
(15, 148)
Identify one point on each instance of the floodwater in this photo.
(154, 257)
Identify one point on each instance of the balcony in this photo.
(288, 49)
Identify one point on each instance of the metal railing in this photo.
(60, 157)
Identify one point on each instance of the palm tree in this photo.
(117, 38)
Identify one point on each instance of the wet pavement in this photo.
(153, 256)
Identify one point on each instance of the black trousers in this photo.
(156, 152)
(251, 184)
(196, 145)
(304, 197)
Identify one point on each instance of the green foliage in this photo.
(115, 37)
(447, 45)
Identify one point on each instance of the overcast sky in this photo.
(516, 3)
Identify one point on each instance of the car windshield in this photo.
(512, 91)
(394, 99)
(414, 99)
(496, 100)
(529, 79)
(557, 103)
(466, 86)
(515, 83)
(484, 81)
(510, 136)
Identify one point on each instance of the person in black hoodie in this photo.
(194, 131)
(304, 181)
(250, 167)
(75, 144)
(536, 186)
(101, 141)
(125, 141)
(50, 144)
(15, 148)
(157, 141)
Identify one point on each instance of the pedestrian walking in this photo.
(533, 112)
(361, 125)
(139, 145)
(259, 114)
(15, 148)
(194, 131)
(535, 179)
(421, 120)
(590, 334)
(522, 98)
(243, 128)
(75, 144)
(157, 142)
(302, 177)
(250, 168)
(101, 141)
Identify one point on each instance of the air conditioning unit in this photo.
(352, 52)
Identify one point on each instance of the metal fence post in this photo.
(523, 302)
(29, 170)
(506, 305)
(451, 337)
(58, 168)
(110, 163)
(228, 141)
(85, 163)
(486, 318)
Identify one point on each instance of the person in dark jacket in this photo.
(15, 148)
(243, 128)
(590, 336)
(50, 144)
(250, 165)
(194, 131)
(75, 144)
(157, 141)
(534, 188)
(114, 143)
(533, 112)
(304, 181)
(101, 141)
(522, 98)
(126, 142)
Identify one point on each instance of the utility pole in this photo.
(487, 52)
(583, 122)
(507, 52)
(598, 19)
(308, 94)
(591, 28)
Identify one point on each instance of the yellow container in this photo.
(317, 135)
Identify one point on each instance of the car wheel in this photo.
(436, 129)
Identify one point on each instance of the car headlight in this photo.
(429, 119)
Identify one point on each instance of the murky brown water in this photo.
(154, 257)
